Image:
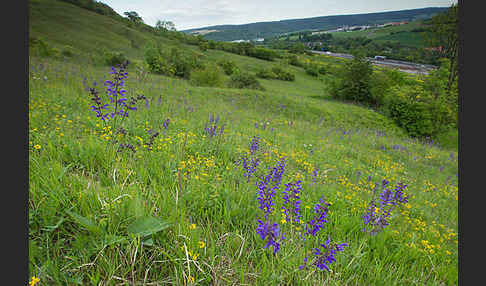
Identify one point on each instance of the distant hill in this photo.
(275, 28)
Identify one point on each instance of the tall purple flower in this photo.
(378, 213)
(317, 222)
(270, 231)
(291, 197)
(325, 256)
(165, 124)
(267, 188)
(251, 163)
(314, 175)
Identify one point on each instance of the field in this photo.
(180, 203)
(401, 33)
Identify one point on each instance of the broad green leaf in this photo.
(145, 226)
(86, 222)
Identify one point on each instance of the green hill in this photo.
(171, 197)
(276, 28)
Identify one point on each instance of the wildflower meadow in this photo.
(156, 182)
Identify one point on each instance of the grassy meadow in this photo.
(402, 33)
(181, 209)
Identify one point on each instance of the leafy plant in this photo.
(245, 80)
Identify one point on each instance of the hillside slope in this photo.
(274, 28)
(170, 198)
(61, 23)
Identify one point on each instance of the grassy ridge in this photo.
(276, 28)
(198, 211)
(403, 34)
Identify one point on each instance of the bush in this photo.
(114, 58)
(283, 74)
(245, 80)
(312, 69)
(413, 109)
(228, 66)
(172, 62)
(208, 76)
(68, 51)
(294, 60)
(322, 69)
(263, 53)
(39, 47)
(355, 81)
(203, 46)
(382, 81)
(275, 72)
(266, 74)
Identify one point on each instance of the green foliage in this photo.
(382, 81)
(266, 73)
(113, 58)
(263, 53)
(275, 29)
(133, 17)
(228, 66)
(210, 75)
(275, 72)
(444, 33)
(39, 47)
(355, 84)
(294, 60)
(95, 6)
(203, 46)
(283, 74)
(312, 69)
(411, 108)
(171, 62)
(67, 51)
(323, 69)
(243, 79)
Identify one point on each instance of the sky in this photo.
(189, 14)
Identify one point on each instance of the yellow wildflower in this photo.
(34, 281)
(202, 244)
(190, 279)
(37, 146)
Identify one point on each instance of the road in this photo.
(408, 67)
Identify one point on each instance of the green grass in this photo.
(86, 202)
(401, 33)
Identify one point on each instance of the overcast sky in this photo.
(188, 14)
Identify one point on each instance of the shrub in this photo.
(283, 74)
(275, 72)
(266, 74)
(382, 81)
(228, 66)
(67, 51)
(208, 76)
(294, 60)
(39, 47)
(245, 80)
(263, 53)
(322, 69)
(203, 46)
(311, 69)
(172, 62)
(114, 58)
(412, 108)
(355, 81)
